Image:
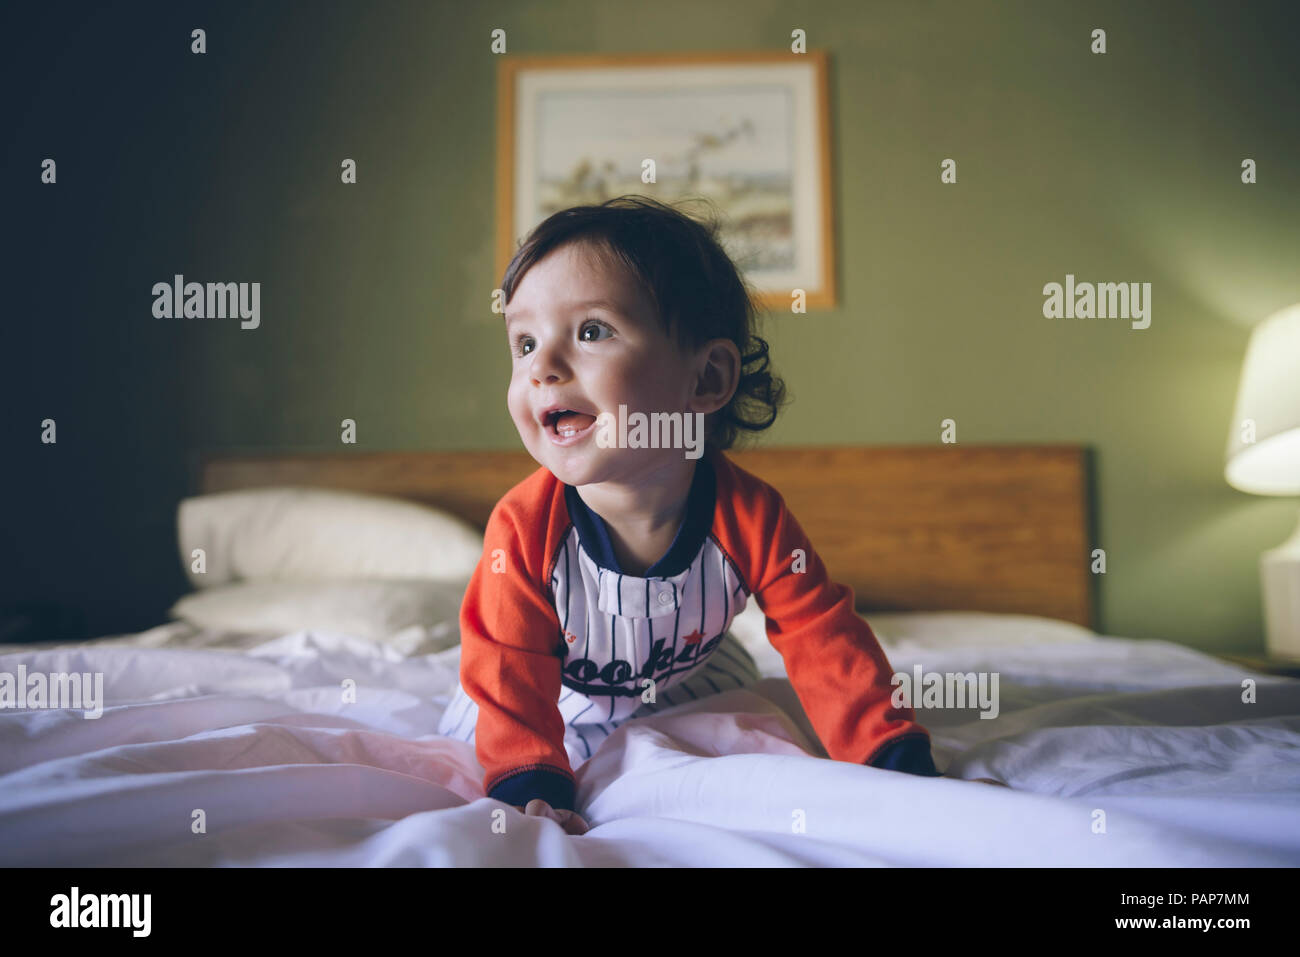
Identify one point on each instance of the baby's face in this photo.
(589, 358)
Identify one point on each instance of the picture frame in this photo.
(747, 130)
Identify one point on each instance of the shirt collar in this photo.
(694, 529)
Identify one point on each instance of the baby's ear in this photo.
(725, 362)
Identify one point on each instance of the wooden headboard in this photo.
(909, 528)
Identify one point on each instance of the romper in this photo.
(621, 630)
(559, 647)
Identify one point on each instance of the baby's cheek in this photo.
(514, 402)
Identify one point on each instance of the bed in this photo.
(271, 744)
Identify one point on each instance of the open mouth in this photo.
(565, 423)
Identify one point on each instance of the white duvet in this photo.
(1119, 753)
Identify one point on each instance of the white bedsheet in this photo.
(255, 734)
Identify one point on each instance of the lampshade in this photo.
(1268, 397)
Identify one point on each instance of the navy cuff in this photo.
(554, 788)
(910, 755)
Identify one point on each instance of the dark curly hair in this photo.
(696, 290)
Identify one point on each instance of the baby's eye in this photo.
(594, 324)
(520, 343)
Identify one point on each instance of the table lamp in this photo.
(1264, 459)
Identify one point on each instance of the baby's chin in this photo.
(589, 464)
(577, 466)
(583, 464)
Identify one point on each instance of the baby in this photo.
(611, 575)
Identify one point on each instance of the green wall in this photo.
(376, 297)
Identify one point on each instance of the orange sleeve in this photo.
(510, 663)
(834, 661)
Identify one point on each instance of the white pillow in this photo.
(375, 610)
(935, 628)
(951, 629)
(306, 534)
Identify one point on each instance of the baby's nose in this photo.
(548, 367)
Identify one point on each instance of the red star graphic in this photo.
(571, 637)
(693, 638)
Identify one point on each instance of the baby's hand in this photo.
(571, 821)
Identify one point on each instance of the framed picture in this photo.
(748, 131)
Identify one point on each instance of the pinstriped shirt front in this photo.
(622, 632)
